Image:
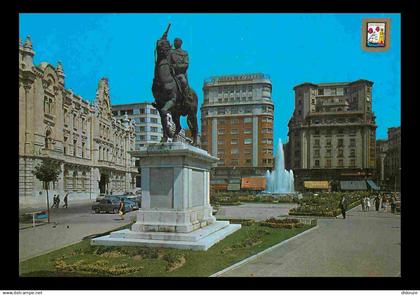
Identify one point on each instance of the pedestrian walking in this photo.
(393, 204)
(54, 201)
(343, 206)
(58, 201)
(65, 200)
(362, 201)
(121, 209)
(384, 203)
(377, 202)
(367, 203)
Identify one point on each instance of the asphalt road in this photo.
(68, 226)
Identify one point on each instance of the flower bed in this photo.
(325, 205)
(282, 223)
(235, 198)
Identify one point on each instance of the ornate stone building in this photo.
(332, 133)
(92, 146)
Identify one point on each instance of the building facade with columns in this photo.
(91, 145)
(332, 133)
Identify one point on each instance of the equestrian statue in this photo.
(171, 90)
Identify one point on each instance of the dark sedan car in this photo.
(106, 205)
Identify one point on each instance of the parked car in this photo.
(106, 205)
(109, 204)
(130, 201)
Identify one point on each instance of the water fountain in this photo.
(279, 181)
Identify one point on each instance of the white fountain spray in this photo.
(279, 180)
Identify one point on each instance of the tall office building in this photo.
(332, 132)
(237, 123)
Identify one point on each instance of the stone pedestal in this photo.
(176, 209)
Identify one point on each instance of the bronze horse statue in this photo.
(168, 95)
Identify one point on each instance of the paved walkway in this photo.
(365, 244)
(68, 226)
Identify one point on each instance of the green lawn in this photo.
(82, 259)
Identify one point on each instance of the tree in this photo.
(48, 171)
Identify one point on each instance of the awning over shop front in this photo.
(219, 186)
(253, 183)
(321, 184)
(373, 185)
(357, 185)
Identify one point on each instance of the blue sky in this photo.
(291, 48)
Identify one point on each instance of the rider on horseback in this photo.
(178, 60)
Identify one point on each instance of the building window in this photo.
(153, 129)
(220, 141)
(248, 141)
(340, 142)
(328, 163)
(234, 151)
(65, 145)
(221, 131)
(340, 163)
(234, 141)
(154, 138)
(234, 131)
(153, 120)
(316, 153)
(268, 151)
(267, 120)
(83, 149)
(328, 153)
(47, 139)
(316, 163)
(221, 111)
(74, 147)
(316, 143)
(320, 91)
(247, 152)
(352, 163)
(352, 142)
(248, 131)
(328, 142)
(352, 153)
(248, 120)
(340, 153)
(234, 121)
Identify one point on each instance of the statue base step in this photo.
(200, 239)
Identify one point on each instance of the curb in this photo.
(236, 265)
